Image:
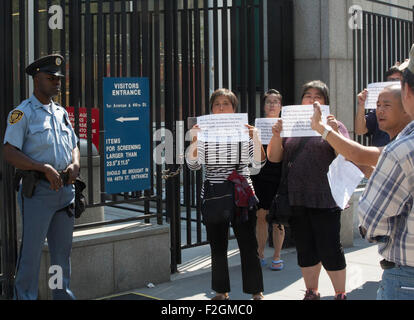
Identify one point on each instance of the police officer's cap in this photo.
(51, 64)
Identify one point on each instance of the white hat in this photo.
(408, 63)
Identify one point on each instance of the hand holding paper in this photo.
(297, 120)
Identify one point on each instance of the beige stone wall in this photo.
(323, 47)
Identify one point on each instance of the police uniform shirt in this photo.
(42, 133)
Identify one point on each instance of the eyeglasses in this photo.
(274, 103)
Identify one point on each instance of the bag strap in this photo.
(298, 150)
(239, 153)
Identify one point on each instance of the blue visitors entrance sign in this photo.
(127, 143)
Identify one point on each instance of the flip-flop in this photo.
(277, 268)
(263, 262)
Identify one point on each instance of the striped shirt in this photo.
(220, 160)
(386, 206)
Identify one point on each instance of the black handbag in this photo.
(280, 210)
(217, 205)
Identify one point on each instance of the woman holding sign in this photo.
(217, 158)
(315, 221)
(265, 185)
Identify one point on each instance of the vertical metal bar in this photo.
(89, 75)
(261, 54)
(101, 53)
(105, 44)
(251, 58)
(243, 60)
(48, 30)
(198, 97)
(22, 48)
(375, 49)
(8, 216)
(398, 36)
(112, 37)
(118, 44)
(63, 51)
(75, 80)
(169, 123)
(235, 57)
(157, 101)
(225, 44)
(176, 117)
(124, 51)
(384, 41)
(370, 50)
(216, 46)
(36, 29)
(185, 91)
(206, 57)
(134, 40)
(146, 71)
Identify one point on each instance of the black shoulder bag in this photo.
(217, 205)
(280, 210)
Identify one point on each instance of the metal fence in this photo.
(187, 48)
(378, 44)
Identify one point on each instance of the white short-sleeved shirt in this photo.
(43, 133)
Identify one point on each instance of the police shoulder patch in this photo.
(15, 116)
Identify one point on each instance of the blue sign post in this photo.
(127, 141)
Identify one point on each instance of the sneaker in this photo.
(340, 296)
(312, 295)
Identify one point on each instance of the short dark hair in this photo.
(318, 85)
(270, 92)
(391, 71)
(408, 78)
(227, 93)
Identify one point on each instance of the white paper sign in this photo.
(374, 89)
(297, 121)
(228, 128)
(264, 127)
(344, 177)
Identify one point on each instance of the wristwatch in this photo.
(326, 132)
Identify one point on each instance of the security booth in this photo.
(177, 52)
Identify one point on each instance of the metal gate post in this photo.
(8, 242)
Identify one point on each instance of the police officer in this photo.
(40, 138)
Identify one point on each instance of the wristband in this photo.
(326, 132)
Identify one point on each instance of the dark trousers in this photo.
(245, 232)
(317, 237)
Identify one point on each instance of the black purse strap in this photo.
(289, 164)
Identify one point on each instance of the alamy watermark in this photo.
(56, 20)
(56, 279)
(355, 20)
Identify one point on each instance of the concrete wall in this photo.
(324, 49)
(114, 259)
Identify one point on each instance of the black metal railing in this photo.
(186, 48)
(379, 43)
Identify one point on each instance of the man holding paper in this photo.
(386, 206)
(392, 119)
(367, 124)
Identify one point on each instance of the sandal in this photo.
(258, 296)
(263, 262)
(277, 262)
(221, 296)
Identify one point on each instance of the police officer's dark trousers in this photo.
(42, 218)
